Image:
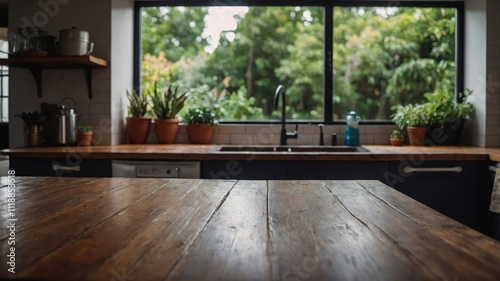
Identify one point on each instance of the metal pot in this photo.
(74, 42)
(66, 123)
(74, 47)
(74, 34)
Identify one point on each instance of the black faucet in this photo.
(284, 135)
(321, 139)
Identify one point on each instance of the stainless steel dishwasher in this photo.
(155, 169)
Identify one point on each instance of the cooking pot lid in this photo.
(72, 29)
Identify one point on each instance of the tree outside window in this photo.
(236, 57)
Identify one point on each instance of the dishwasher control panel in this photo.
(156, 172)
(155, 169)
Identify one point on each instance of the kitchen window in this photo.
(332, 57)
(4, 82)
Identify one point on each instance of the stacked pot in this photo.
(74, 42)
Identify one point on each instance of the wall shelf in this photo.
(36, 64)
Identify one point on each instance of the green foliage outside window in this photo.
(381, 57)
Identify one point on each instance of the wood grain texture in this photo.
(425, 242)
(207, 152)
(234, 245)
(180, 229)
(315, 237)
(55, 62)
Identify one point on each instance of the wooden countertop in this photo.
(179, 229)
(207, 152)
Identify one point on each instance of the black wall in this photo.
(4, 15)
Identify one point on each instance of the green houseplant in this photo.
(447, 116)
(441, 115)
(137, 125)
(84, 135)
(413, 118)
(166, 105)
(200, 123)
(396, 138)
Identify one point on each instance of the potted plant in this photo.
(200, 124)
(396, 138)
(414, 118)
(137, 125)
(447, 116)
(84, 135)
(166, 106)
(33, 122)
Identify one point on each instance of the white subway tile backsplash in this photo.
(104, 73)
(242, 139)
(97, 108)
(493, 51)
(182, 138)
(221, 139)
(381, 130)
(305, 140)
(258, 129)
(366, 139)
(380, 139)
(103, 96)
(52, 74)
(82, 109)
(230, 129)
(267, 134)
(306, 129)
(73, 74)
(492, 141)
(492, 130)
(101, 85)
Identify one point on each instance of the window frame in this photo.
(328, 42)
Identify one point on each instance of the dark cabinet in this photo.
(60, 167)
(336, 170)
(448, 187)
(294, 170)
(243, 170)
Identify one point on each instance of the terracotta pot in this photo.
(200, 133)
(84, 138)
(166, 130)
(138, 129)
(416, 135)
(396, 142)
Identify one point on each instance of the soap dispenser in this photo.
(351, 137)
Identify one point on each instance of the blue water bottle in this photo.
(351, 137)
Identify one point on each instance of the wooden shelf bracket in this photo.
(87, 72)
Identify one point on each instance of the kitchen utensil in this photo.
(22, 39)
(44, 43)
(67, 123)
(74, 47)
(74, 42)
(73, 34)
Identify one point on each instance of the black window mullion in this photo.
(328, 65)
(459, 52)
(137, 47)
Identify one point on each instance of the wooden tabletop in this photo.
(179, 229)
(210, 152)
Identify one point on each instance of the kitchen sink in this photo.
(291, 148)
